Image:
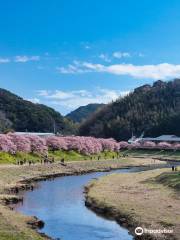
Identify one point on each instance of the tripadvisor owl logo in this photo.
(139, 231)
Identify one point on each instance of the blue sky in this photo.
(67, 53)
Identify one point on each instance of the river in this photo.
(60, 204)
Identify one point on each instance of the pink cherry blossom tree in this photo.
(38, 144)
(22, 143)
(86, 145)
(90, 145)
(149, 144)
(6, 145)
(109, 144)
(135, 145)
(164, 145)
(124, 144)
(176, 146)
(56, 143)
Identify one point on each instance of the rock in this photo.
(36, 223)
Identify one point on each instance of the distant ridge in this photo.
(84, 112)
(22, 115)
(154, 109)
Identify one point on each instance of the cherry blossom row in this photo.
(149, 145)
(13, 143)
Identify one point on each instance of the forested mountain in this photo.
(153, 109)
(83, 112)
(21, 115)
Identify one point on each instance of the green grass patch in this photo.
(7, 158)
(33, 157)
(13, 158)
(57, 155)
(13, 236)
(151, 153)
(66, 155)
(171, 179)
(107, 155)
(76, 156)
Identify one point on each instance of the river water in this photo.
(60, 204)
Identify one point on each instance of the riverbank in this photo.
(147, 199)
(13, 178)
(57, 155)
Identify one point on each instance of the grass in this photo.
(170, 179)
(75, 156)
(174, 155)
(13, 225)
(67, 155)
(13, 158)
(57, 155)
(138, 199)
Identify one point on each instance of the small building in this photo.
(36, 134)
(162, 138)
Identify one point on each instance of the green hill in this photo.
(83, 112)
(154, 109)
(22, 115)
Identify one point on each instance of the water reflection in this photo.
(60, 204)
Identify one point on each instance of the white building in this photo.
(163, 138)
(35, 134)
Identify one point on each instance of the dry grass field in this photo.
(149, 199)
(13, 226)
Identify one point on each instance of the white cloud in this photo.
(141, 54)
(74, 99)
(34, 100)
(104, 57)
(121, 54)
(87, 47)
(75, 67)
(24, 59)
(69, 69)
(43, 93)
(4, 60)
(159, 71)
(18, 59)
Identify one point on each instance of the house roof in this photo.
(35, 133)
(169, 138)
